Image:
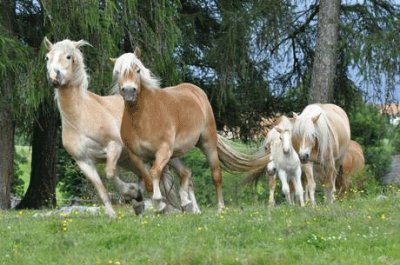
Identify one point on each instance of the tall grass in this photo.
(361, 230)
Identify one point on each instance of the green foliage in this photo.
(370, 129)
(21, 161)
(357, 231)
(71, 181)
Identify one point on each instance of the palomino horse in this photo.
(285, 160)
(321, 134)
(353, 162)
(159, 124)
(91, 123)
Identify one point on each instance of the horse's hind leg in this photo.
(128, 190)
(89, 170)
(209, 147)
(329, 185)
(186, 191)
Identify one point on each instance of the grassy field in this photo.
(357, 231)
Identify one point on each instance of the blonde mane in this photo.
(321, 130)
(125, 63)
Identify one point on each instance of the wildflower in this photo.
(383, 217)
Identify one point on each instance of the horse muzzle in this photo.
(304, 158)
(129, 93)
(54, 78)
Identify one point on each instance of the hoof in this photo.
(159, 206)
(138, 207)
(188, 207)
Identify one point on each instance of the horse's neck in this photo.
(70, 101)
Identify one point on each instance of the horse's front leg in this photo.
(128, 190)
(271, 175)
(89, 170)
(310, 186)
(161, 159)
(298, 187)
(285, 185)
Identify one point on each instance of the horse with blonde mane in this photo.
(321, 135)
(160, 124)
(91, 125)
(285, 160)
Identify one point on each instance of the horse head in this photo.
(305, 136)
(286, 139)
(64, 62)
(130, 75)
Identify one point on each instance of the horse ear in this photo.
(113, 60)
(295, 116)
(47, 43)
(138, 52)
(315, 119)
(81, 43)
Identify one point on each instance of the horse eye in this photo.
(46, 58)
(69, 57)
(138, 71)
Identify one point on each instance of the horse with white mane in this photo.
(91, 125)
(321, 134)
(285, 160)
(160, 124)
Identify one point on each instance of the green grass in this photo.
(357, 231)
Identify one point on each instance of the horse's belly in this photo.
(83, 147)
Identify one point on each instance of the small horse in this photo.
(160, 124)
(321, 134)
(91, 124)
(285, 160)
(353, 162)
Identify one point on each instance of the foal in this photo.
(285, 161)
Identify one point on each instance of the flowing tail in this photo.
(253, 165)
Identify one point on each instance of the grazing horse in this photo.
(285, 160)
(321, 135)
(91, 123)
(160, 124)
(353, 162)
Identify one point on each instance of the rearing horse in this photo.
(160, 124)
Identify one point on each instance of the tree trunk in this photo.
(42, 187)
(6, 144)
(326, 53)
(7, 123)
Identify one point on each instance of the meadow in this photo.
(360, 230)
